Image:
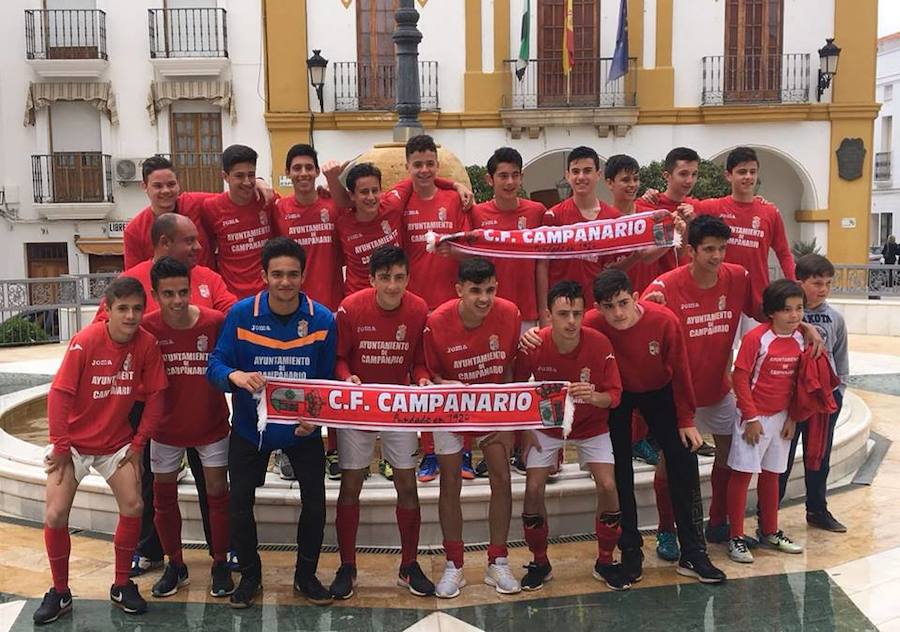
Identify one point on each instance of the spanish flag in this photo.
(568, 53)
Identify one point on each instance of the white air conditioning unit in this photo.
(128, 169)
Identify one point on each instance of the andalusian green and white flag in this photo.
(524, 42)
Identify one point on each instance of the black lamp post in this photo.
(316, 66)
(406, 38)
(828, 61)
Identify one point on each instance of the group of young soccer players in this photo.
(225, 290)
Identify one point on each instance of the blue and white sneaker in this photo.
(467, 472)
(232, 562)
(667, 546)
(643, 451)
(428, 468)
(141, 565)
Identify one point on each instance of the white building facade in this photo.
(886, 189)
(90, 89)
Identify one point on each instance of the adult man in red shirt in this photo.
(195, 416)
(176, 236)
(380, 341)
(583, 175)
(756, 225)
(161, 186)
(309, 219)
(708, 296)
(238, 222)
(585, 358)
(657, 381)
(472, 340)
(87, 410)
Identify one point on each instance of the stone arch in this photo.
(541, 173)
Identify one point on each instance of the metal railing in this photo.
(188, 33)
(543, 85)
(72, 176)
(882, 166)
(867, 280)
(756, 79)
(65, 34)
(372, 86)
(34, 311)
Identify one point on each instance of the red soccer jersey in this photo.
(104, 377)
(432, 276)
(239, 232)
(584, 271)
(755, 227)
(765, 371)
(653, 354)
(313, 227)
(473, 356)
(709, 320)
(207, 290)
(139, 247)
(380, 346)
(195, 411)
(592, 361)
(642, 274)
(515, 277)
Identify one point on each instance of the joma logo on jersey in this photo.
(260, 328)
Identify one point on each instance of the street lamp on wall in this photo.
(828, 62)
(316, 66)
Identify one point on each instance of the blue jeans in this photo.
(816, 480)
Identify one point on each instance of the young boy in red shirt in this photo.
(105, 366)
(472, 340)
(656, 380)
(309, 219)
(765, 378)
(380, 341)
(238, 222)
(195, 416)
(585, 358)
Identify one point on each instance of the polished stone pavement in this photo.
(841, 582)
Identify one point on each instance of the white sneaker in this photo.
(780, 542)
(501, 578)
(452, 580)
(738, 551)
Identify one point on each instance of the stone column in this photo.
(409, 103)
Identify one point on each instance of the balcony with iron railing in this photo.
(72, 184)
(545, 96)
(883, 168)
(373, 86)
(756, 79)
(66, 42)
(188, 41)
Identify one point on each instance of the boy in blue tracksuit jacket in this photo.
(280, 333)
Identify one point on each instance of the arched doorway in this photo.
(541, 177)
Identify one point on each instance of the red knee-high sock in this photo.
(59, 545)
(496, 550)
(608, 528)
(467, 442)
(536, 531)
(167, 518)
(426, 443)
(767, 492)
(738, 483)
(125, 540)
(331, 442)
(663, 502)
(218, 525)
(718, 508)
(347, 523)
(408, 522)
(453, 550)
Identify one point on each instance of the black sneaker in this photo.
(53, 606)
(344, 581)
(824, 520)
(719, 534)
(173, 578)
(247, 589)
(615, 575)
(314, 591)
(128, 598)
(413, 579)
(632, 563)
(222, 584)
(517, 461)
(706, 450)
(481, 470)
(536, 576)
(699, 567)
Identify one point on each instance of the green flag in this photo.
(524, 42)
